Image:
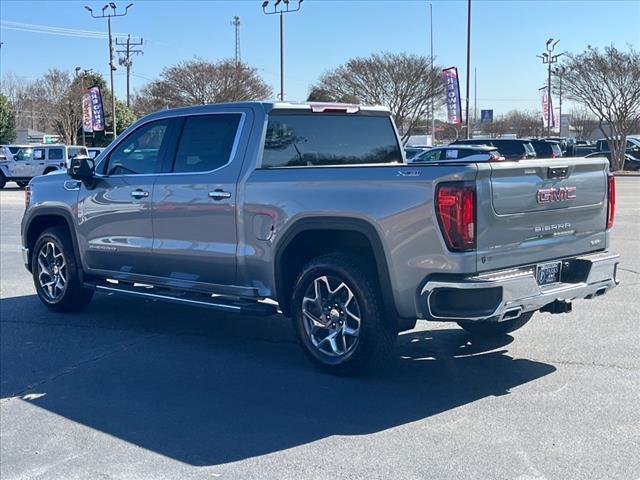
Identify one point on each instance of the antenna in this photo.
(236, 23)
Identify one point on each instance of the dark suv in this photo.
(509, 148)
(547, 148)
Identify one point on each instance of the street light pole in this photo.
(549, 59)
(281, 11)
(433, 113)
(468, 62)
(112, 67)
(560, 73)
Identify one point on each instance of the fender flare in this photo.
(54, 212)
(337, 223)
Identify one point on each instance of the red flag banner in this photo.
(452, 92)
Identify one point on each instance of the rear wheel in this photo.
(496, 329)
(338, 316)
(3, 180)
(22, 184)
(56, 272)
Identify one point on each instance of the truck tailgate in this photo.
(533, 211)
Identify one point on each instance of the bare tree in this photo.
(583, 122)
(197, 82)
(608, 84)
(404, 83)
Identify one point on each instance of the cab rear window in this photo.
(325, 140)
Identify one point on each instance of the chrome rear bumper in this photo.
(507, 294)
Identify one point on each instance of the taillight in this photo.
(27, 196)
(456, 211)
(611, 200)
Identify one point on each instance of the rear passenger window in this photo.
(507, 147)
(206, 142)
(55, 154)
(322, 139)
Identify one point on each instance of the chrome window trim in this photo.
(232, 154)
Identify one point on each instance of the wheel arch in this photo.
(358, 230)
(48, 217)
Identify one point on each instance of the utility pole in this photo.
(112, 67)
(549, 59)
(433, 113)
(126, 59)
(236, 23)
(468, 61)
(281, 11)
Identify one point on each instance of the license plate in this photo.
(547, 273)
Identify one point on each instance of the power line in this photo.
(126, 58)
(236, 23)
(51, 30)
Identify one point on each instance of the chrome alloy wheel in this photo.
(52, 271)
(331, 316)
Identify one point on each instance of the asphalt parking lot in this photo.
(140, 390)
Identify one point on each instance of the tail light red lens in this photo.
(611, 200)
(456, 212)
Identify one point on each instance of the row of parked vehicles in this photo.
(499, 149)
(20, 163)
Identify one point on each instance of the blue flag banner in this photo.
(97, 112)
(452, 92)
(486, 116)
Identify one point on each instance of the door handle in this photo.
(139, 194)
(219, 194)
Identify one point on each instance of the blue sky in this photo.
(506, 36)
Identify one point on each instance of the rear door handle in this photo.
(219, 194)
(139, 194)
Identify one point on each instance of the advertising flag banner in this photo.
(486, 116)
(97, 112)
(546, 106)
(87, 118)
(452, 92)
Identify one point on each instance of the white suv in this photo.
(456, 153)
(20, 163)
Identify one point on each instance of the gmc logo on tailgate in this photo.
(556, 194)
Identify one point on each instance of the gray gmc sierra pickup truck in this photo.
(310, 209)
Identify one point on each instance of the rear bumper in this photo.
(506, 294)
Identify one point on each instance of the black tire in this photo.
(3, 180)
(496, 329)
(49, 170)
(22, 184)
(74, 296)
(375, 339)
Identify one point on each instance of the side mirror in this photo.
(82, 168)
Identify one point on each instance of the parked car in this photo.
(468, 153)
(630, 162)
(632, 147)
(311, 207)
(93, 152)
(412, 152)
(23, 162)
(16, 163)
(546, 148)
(509, 148)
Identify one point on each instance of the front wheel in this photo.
(496, 329)
(338, 316)
(22, 184)
(56, 272)
(3, 180)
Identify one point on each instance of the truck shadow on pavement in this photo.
(208, 389)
